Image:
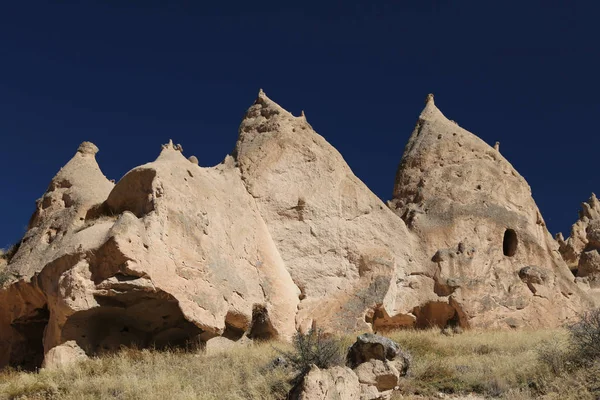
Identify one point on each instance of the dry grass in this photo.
(509, 364)
(516, 365)
(242, 373)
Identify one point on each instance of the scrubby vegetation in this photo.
(312, 348)
(525, 364)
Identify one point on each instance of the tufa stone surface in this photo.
(479, 226)
(282, 236)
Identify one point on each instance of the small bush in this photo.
(316, 348)
(556, 355)
(585, 338)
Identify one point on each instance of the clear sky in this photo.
(129, 75)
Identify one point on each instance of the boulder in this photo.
(336, 383)
(375, 347)
(381, 374)
(63, 355)
(379, 363)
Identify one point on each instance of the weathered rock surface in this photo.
(479, 228)
(280, 237)
(337, 383)
(173, 253)
(343, 247)
(581, 250)
(375, 347)
(63, 354)
(379, 363)
(374, 367)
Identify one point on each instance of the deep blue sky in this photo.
(129, 75)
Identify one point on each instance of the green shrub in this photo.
(313, 348)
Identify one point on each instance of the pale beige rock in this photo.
(336, 383)
(479, 227)
(283, 236)
(222, 344)
(173, 253)
(63, 355)
(381, 374)
(343, 247)
(369, 392)
(52, 244)
(585, 228)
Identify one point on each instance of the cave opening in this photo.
(261, 327)
(27, 352)
(439, 314)
(510, 243)
(134, 320)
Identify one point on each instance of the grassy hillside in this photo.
(508, 364)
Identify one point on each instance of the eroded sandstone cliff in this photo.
(484, 242)
(280, 237)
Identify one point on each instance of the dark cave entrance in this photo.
(261, 327)
(132, 319)
(27, 352)
(439, 314)
(510, 243)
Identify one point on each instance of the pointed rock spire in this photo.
(81, 172)
(171, 146)
(266, 106)
(431, 112)
(88, 148)
(264, 116)
(171, 151)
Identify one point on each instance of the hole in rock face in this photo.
(510, 243)
(382, 322)
(131, 319)
(235, 325)
(27, 352)
(261, 328)
(232, 333)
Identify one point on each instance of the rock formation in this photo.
(280, 237)
(485, 247)
(375, 365)
(581, 249)
(344, 249)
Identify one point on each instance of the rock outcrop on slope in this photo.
(581, 250)
(172, 253)
(345, 250)
(280, 237)
(485, 244)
